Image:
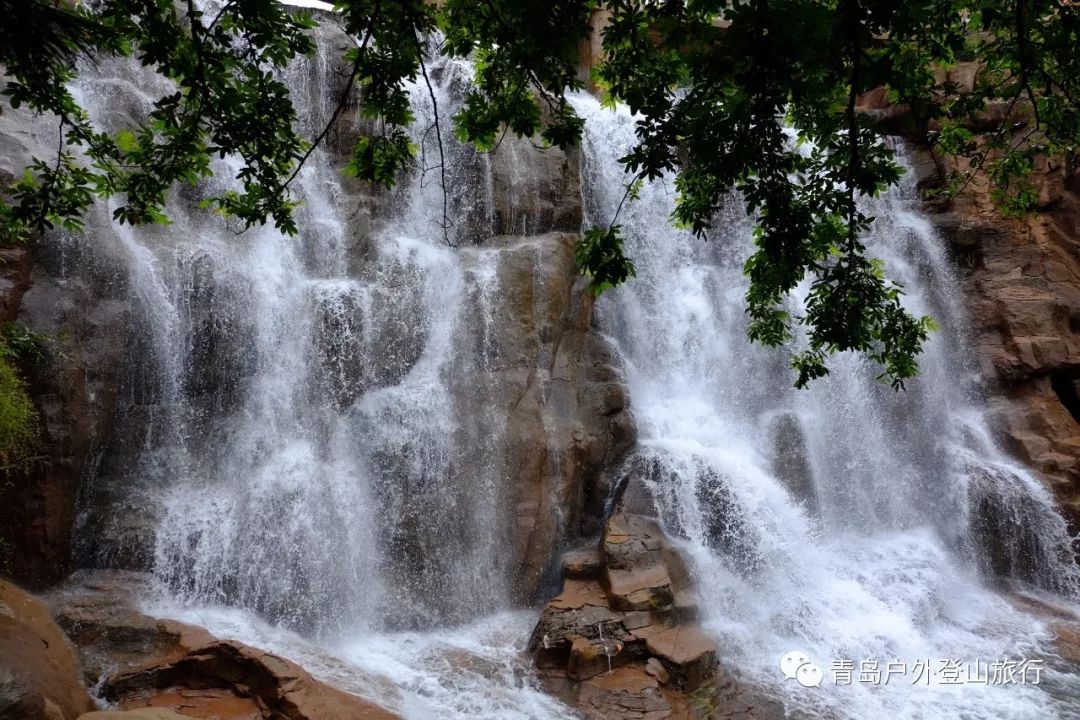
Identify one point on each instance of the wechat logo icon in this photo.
(796, 666)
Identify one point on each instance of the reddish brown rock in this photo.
(685, 651)
(94, 609)
(626, 692)
(626, 648)
(141, 714)
(580, 616)
(1021, 278)
(231, 680)
(640, 570)
(40, 678)
(143, 662)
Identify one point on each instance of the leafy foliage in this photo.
(716, 86)
(19, 348)
(600, 256)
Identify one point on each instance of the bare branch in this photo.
(343, 100)
(438, 140)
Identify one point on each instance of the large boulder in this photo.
(146, 663)
(94, 610)
(231, 680)
(40, 678)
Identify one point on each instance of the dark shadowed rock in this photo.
(790, 461)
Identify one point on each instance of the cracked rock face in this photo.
(620, 640)
(1021, 280)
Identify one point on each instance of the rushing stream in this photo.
(294, 431)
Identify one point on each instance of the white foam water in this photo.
(842, 520)
(476, 670)
(293, 412)
(292, 425)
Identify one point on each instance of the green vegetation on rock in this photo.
(19, 349)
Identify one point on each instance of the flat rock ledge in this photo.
(621, 642)
(153, 669)
(229, 680)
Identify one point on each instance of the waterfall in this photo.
(312, 450)
(845, 520)
(310, 446)
(296, 413)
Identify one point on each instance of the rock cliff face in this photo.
(568, 409)
(84, 319)
(1022, 282)
(548, 384)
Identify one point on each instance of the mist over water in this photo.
(294, 433)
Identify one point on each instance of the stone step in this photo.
(628, 692)
(687, 653)
(582, 563)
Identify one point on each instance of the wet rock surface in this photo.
(620, 641)
(85, 322)
(151, 665)
(94, 610)
(40, 678)
(232, 681)
(1021, 279)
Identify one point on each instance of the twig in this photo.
(626, 194)
(342, 101)
(438, 139)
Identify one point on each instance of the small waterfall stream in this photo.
(310, 428)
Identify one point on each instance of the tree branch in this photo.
(438, 139)
(343, 100)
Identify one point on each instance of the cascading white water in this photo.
(844, 521)
(302, 437)
(294, 419)
(306, 427)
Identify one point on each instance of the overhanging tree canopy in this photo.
(715, 84)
